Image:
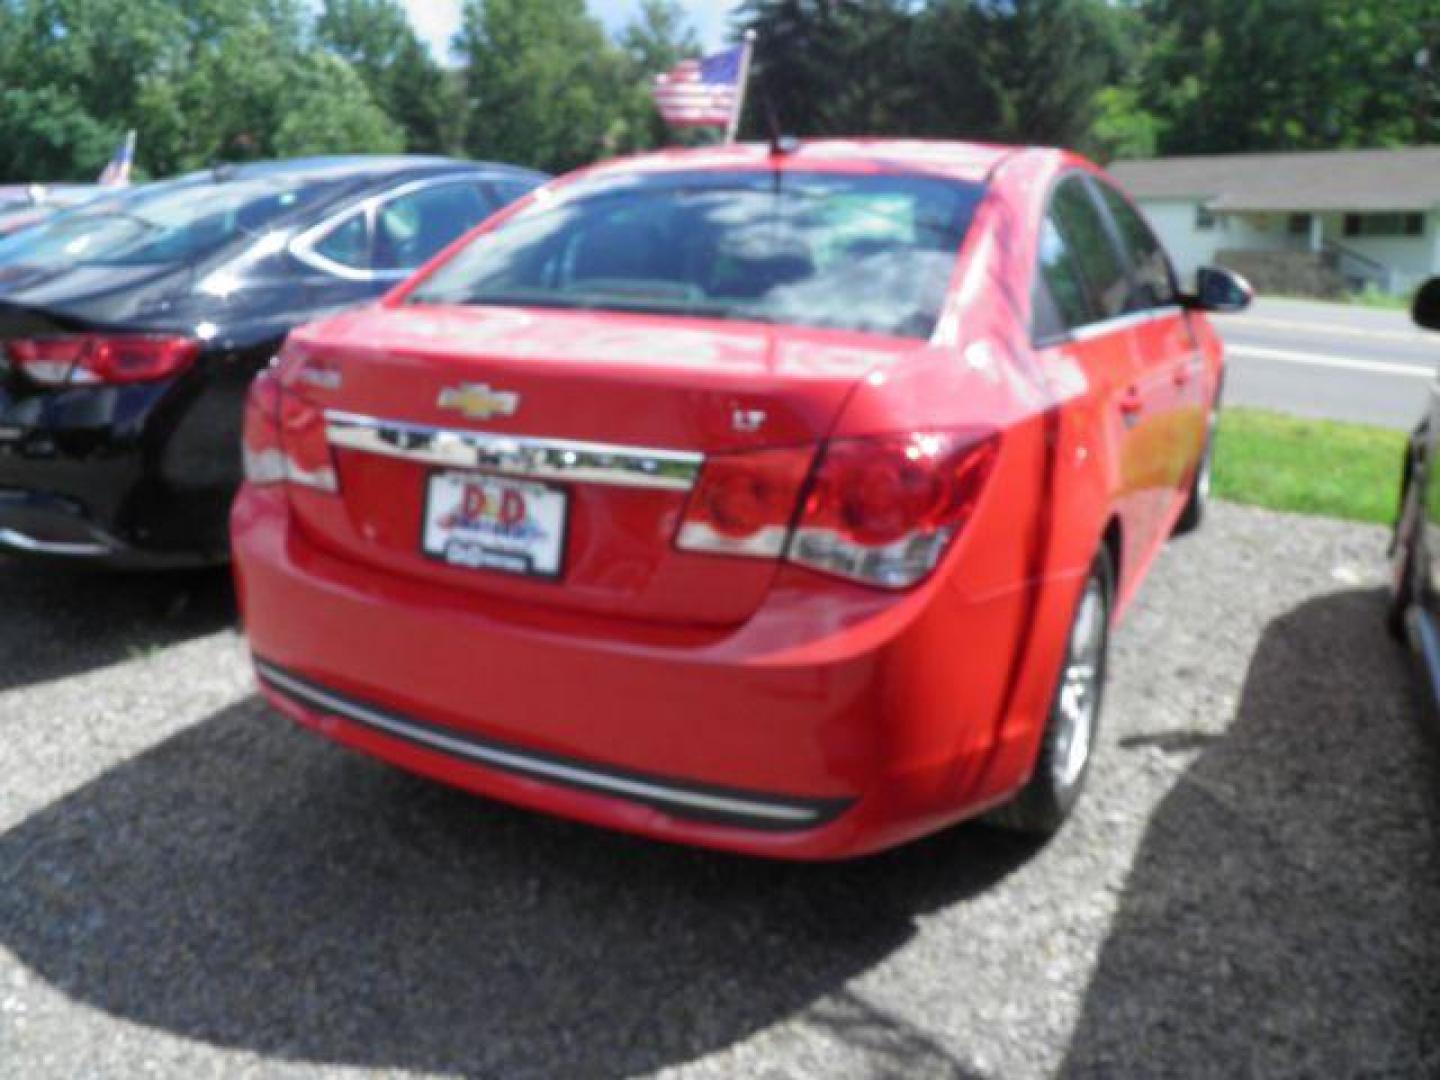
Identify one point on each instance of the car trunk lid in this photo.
(598, 423)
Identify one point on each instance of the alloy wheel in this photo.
(1080, 688)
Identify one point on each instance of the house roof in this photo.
(1376, 180)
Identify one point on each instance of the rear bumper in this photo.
(38, 525)
(137, 475)
(827, 726)
(688, 801)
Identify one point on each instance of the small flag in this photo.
(117, 173)
(705, 92)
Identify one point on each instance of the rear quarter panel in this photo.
(993, 635)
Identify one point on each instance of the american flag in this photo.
(701, 93)
(117, 172)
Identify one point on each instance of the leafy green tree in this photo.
(46, 134)
(833, 67)
(544, 86)
(200, 80)
(1238, 75)
(960, 100)
(330, 112)
(1123, 127)
(377, 40)
(654, 41)
(658, 37)
(1045, 61)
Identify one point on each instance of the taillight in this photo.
(883, 510)
(744, 503)
(304, 445)
(101, 359)
(284, 439)
(45, 360)
(879, 510)
(260, 438)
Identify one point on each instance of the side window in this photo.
(1154, 281)
(1060, 301)
(348, 243)
(507, 191)
(411, 228)
(1088, 236)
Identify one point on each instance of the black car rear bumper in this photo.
(139, 475)
(52, 527)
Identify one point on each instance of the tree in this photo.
(658, 37)
(331, 112)
(375, 37)
(200, 80)
(834, 67)
(543, 86)
(654, 41)
(1123, 127)
(1046, 61)
(46, 134)
(1236, 75)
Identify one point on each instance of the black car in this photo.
(131, 327)
(1415, 550)
(25, 205)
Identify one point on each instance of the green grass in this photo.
(1374, 298)
(1349, 471)
(1371, 297)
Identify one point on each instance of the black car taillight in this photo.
(101, 359)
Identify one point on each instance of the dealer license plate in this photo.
(495, 523)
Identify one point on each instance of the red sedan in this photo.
(771, 499)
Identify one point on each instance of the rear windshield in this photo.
(163, 223)
(868, 253)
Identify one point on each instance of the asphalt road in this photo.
(1336, 361)
(190, 886)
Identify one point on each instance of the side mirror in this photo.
(1426, 307)
(1221, 290)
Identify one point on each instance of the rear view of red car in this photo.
(777, 502)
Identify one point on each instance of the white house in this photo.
(1312, 222)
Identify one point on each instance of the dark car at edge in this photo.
(130, 329)
(1414, 612)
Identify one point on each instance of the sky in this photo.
(437, 20)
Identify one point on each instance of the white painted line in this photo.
(1369, 367)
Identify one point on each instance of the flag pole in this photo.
(733, 128)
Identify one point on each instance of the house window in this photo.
(1204, 219)
(1299, 225)
(1383, 225)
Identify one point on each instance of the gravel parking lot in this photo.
(190, 886)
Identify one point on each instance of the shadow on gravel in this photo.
(1283, 913)
(58, 620)
(252, 886)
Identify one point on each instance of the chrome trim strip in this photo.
(304, 245)
(13, 538)
(1124, 322)
(509, 760)
(546, 459)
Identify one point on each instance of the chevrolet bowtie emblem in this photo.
(478, 401)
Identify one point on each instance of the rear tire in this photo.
(1402, 568)
(1193, 516)
(1068, 744)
